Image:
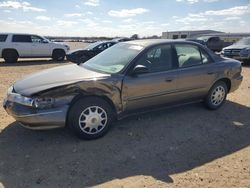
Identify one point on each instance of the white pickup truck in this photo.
(14, 46)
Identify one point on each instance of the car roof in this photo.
(152, 42)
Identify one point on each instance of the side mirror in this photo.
(45, 41)
(140, 69)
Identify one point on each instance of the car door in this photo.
(22, 43)
(155, 87)
(197, 72)
(40, 47)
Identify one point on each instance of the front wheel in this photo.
(216, 96)
(90, 118)
(58, 55)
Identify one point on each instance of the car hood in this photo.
(236, 46)
(54, 77)
(76, 50)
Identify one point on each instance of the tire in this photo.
(246, 62)
(93, 126)
(58, 55)
(10, 56)
(216, 95)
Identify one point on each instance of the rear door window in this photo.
(3, 38)
(110, 44)
(102, 47)
(188, 55)
(99, 47)
(21, 38)
(205, 57)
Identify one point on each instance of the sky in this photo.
(112, 18)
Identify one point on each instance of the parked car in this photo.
(196, 40)
(239, 50)
(212, 42)
(14, 46)
(82, 55)
(122, 39)
(127, 78)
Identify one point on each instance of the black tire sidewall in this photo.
(10, 57)
(79, 106)
(58, 55)
(208, 101)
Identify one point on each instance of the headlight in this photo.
(17, 98)
(43, 102)
(10, 90)
(245, 51)
(67, 47)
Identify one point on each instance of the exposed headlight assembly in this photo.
(43, 102)
(28, 101)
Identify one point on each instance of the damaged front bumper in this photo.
(35, 114)
(37, 118)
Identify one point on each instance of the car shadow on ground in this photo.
(31, 62)
(246, 66)
(156, 144)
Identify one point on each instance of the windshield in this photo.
(244, 41)
(91, 46)
(114, 59)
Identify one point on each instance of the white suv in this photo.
(13, 46)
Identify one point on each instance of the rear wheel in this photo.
(217, 95)
(58, 55)
(10, 56)
(90, 118)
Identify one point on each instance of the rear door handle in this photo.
(169, 79)
(210, 73)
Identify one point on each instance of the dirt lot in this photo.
(187, 146)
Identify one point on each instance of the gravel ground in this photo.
(186, 146)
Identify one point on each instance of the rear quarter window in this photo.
(3, 38)
(188, 55)
(21, 38)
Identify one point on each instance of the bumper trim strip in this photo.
(38, 114)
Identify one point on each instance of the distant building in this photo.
(187, 34)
